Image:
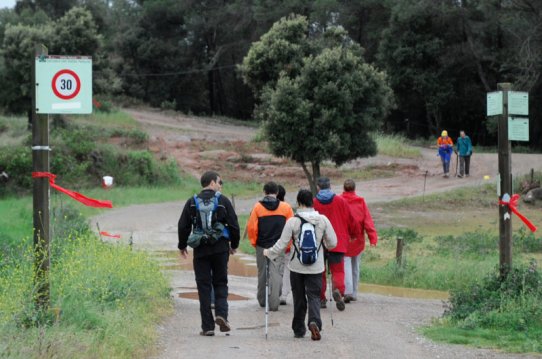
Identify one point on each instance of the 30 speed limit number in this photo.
(66, 84)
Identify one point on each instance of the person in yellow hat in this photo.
(445, 149)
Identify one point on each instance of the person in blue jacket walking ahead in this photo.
(464, 149)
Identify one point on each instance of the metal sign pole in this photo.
(40, 163)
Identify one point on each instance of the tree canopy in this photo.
(441, 57)
(320, 101)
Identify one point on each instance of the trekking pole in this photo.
(456, 162)
(266, 295)
(330, 291)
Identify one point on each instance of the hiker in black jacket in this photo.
(211, 259)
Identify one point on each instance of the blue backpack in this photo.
(305, 245)
(205, 228)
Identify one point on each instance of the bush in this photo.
(490, 301)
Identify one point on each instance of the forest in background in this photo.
(441, 56)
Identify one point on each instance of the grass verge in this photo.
(395, 146)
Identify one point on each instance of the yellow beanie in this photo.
(444, 133)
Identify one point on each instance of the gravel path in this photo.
(374, 327)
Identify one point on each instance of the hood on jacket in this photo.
(270, 203)
(325, 196)
(309, 214)
(352, 197)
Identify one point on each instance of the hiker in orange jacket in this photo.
(445, 149)
(264, 228)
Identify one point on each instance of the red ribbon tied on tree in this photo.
(91, 202)
(512, 204)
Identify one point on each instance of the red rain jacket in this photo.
(340, 216)
(361, 214)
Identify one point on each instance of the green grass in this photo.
(395, 146)
(114, 119)
(109, 299)
(505, 339)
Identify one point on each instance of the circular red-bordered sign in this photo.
(66, 84)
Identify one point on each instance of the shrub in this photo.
(492, 299)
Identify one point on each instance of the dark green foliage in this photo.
(513, 302)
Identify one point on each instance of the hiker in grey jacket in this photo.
(305, 279)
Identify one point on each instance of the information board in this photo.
(518, 103)
(518, 129)
(494, 103)
(63, 84)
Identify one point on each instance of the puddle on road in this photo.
(237, 266)
(403, 292)
(194, 295)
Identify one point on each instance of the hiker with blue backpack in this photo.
(209, 225)
(308, 231)
(264, 228)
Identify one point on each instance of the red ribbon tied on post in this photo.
(512, 204)
(107, 234)
(90, 202)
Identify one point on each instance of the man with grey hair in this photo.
(336, 209)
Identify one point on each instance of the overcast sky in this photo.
(7, 3)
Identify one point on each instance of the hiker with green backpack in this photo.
(209, 225)
(308, 231)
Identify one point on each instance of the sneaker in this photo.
(282, 301)
(338, 300)
(323, 303)
(315, 332)
(207, 333)
(460, 176)
(348, 298)
(223, 324)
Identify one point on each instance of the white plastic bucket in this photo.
(107, 181)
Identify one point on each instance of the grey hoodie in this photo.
(323, 230)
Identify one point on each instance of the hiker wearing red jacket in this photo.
(336, 209)
(352, 258)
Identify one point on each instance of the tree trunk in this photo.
(310, 176)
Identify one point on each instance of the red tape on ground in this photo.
(90, 202)
(107, 234)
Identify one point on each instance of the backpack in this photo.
(205, 228)
(305, 245)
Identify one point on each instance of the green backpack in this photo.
(205, 228)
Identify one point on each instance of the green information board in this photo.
(494, 103)
(518, 129)
(64, 84)
(518, 103)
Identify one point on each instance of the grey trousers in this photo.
(276, 268)
(351, 275)
(464, 165)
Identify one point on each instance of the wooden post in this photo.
(399, 251)
(41, 219)
(505, 172)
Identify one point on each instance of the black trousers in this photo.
(212, 274)
(306, 292)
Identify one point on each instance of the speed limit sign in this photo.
(64, 84)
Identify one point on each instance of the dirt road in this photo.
(374, 327)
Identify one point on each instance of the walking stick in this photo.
(456, 162)
(330, 291)
(266, 295)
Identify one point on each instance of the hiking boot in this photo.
(282, 301)
(323, 303)
(347, 298)
(315, 332)
(207, 333)
(223, 324)
(299, 335)
(338, 300)
(460, 175)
